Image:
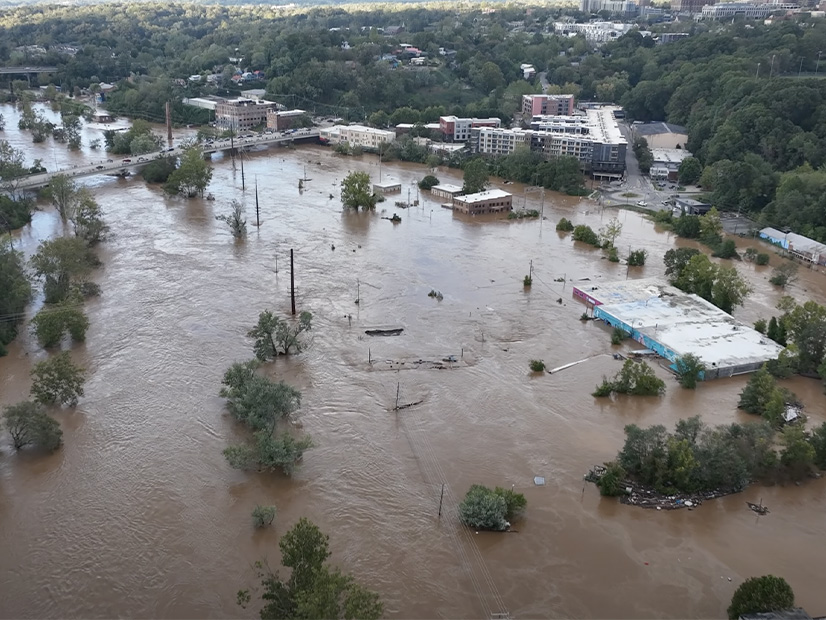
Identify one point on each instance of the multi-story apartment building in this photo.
(594, 32)
(242, 113)
(594, 139)
(497, 141)
(455, 129)
(356, 135)
(558, 105)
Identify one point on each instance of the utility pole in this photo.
(800, 68)
(757, 75)
(232, 150)
(817, 66)
(169, 123)
(243, 183)
(530, 271)
(292, 281)
(257, 213)
(771, 67)
(441, 497)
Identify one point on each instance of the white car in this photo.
(642, 203)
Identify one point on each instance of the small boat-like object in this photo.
(758, 508)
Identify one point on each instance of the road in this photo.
(121, 165)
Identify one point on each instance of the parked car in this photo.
(642, 203)
(127, 161)
(99, 168)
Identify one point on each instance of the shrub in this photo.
(635, 378)
(527, 281)
(750, 254)
(435, 294)
(483, 509)
(565, 225)
(727, 249)
(262, 516)
(664, 216)
(637, 258)
(587, 235)
(611, 483)
(760, 325)
(762, 259)
(613, 256)
(514, 502)
(603, 389)
(428, 182)
(618, 335)
(537, 365)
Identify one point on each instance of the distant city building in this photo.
(528, 71)
(689, 206)
(558, 105)
(356, 135)
(732, 10)
(455, 129)
(242, 113)
(623, 7)
(689, 6)
(670, 37)
(489, 201)
(594, 32)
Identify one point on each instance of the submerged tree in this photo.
(356, 191)
(235, 220)
(690, 369)
(275, 336)
(761, 595)
(29, 424)
(313, 590)
(192, 176)
(57, 380)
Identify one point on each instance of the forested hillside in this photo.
(757, 128)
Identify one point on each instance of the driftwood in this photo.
(384, 332)
(758, 508)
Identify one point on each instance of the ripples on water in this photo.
(138, 515)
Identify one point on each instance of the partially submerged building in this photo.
(489, 201)
(673, 323)
(802, 247)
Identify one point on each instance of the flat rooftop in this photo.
(483, 196)
(603, 125)
(669, 156)
(686, 323)
(447, 188)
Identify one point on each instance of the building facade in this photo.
(279, 120)
(242, 113)
(593, 138)
(446, 190)
(356, 135)
(489, 201)
(556, 105)
(732, 10)
(455, 129)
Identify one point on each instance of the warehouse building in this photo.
(672, 323)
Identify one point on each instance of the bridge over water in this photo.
(121, 164)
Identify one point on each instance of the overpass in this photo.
(26, 70)
(121, 164)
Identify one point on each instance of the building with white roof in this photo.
(488, 201)
(356, 135)
(594, 138)
(673, 323)
(666, 163)
(802, 247)
(594, 32)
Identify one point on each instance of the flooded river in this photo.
(139, 514)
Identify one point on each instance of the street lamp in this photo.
(757, 75)
(817, 66)
(771, 68)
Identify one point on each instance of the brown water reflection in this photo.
(139, 515)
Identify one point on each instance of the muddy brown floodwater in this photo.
(139, 515)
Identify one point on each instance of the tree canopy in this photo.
(314, 590)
